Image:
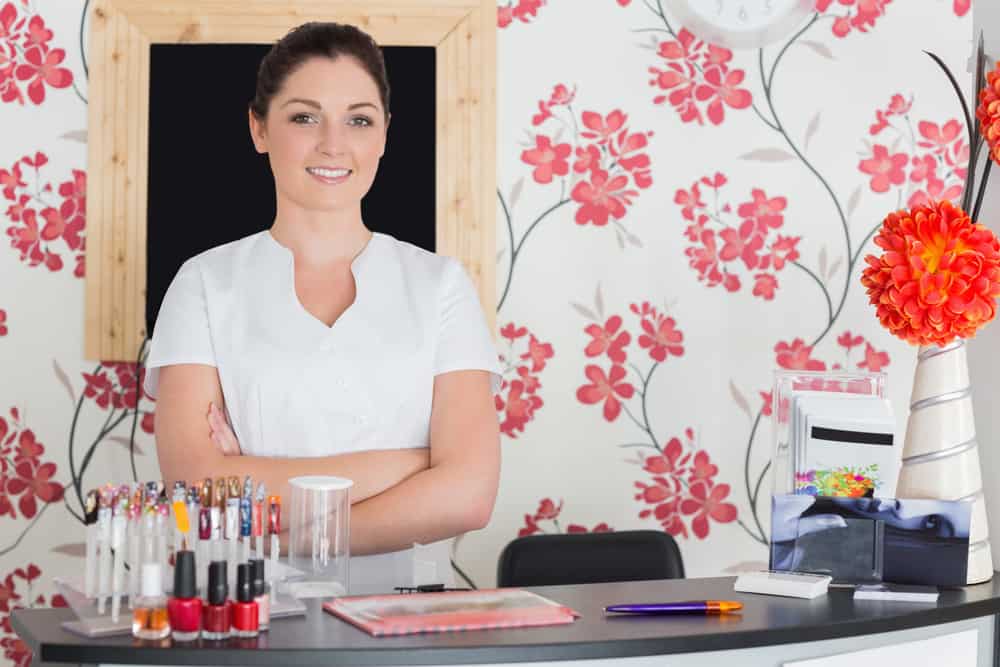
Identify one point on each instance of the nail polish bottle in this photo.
(261, 595)
(184, 606)
(149, 615)
(246, 617)
(217, 615)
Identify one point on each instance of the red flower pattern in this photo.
(549, 511)
(694, 71)
(609, 388)
(3, 322)
(14, 648)
(517, 399)
(547, 159)
(747, 242)
(683, 483)
(40, 230)
(850, 15)
(23, 474)
(706, 502)
(25, 56)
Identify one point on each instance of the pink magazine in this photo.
(412, 613)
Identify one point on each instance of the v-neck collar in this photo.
(360, 266)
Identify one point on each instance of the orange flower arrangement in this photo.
(988, 112)
(938, 277)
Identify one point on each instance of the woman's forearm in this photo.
(372, 471)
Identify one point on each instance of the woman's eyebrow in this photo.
(316, 105)
(308, 103)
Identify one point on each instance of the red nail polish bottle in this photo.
(217, 615)
(184, 606)
(246, 615)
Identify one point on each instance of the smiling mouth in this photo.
(329, 175)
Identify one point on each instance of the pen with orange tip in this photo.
(688, 607)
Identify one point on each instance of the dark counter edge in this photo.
(231, 655)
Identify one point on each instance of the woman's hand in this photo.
(222, 433)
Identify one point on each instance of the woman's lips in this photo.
(326, 176)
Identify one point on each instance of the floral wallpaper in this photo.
(675, 220)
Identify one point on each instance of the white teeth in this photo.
(328, 173)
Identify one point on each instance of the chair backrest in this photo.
(589, 558)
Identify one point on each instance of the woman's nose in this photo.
(332, 140)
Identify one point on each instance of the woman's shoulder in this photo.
(226, 258)
(416, 263)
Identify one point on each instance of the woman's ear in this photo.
(257, 132)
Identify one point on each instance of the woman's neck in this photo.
(320, 238)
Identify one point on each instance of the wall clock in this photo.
(741, 24)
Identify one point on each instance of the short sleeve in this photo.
(181, 333)
(464, 341)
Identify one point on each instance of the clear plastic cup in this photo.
(319, 544)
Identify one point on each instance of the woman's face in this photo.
(324, 134)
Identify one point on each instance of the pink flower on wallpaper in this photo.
(681, 484)
(661, 337)
(24, 477)
(874, 360)
(608, 338)
(764, 286)
(961, 7)
(695, 71)
(750, 240)
(15, 650)
(610, 163)
(3, 322)
(707, 502)
(885, 169)
(26, 58)
(601, 197)
(549, 511)
(115, 384)
(561, 96)
(935, 167)
(850, 15)
(42, 228)
(522, 10)
(31, 481)
(847, 341)
(548, 160)
(517, 399)
(898, 106)
(797, 356)
(609, 388)
(722, 87)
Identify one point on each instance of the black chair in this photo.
(588, 558)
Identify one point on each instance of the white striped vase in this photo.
(940, 456)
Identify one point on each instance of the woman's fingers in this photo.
(221, 433)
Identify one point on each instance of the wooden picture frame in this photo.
(463, 33)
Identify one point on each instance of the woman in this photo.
(318, 347)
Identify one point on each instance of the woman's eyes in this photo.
(309, 119)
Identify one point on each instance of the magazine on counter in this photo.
(413, 613)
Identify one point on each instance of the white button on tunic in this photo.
(295, 387)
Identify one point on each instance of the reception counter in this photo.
(770, 631)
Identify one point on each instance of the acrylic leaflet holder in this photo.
(790, 459)
(91, 622)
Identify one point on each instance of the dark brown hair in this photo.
(310, 40)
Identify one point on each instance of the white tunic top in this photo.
(295, 387)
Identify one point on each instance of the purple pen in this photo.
(688, 607)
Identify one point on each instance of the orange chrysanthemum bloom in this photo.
(988, 112)
(938, 277)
